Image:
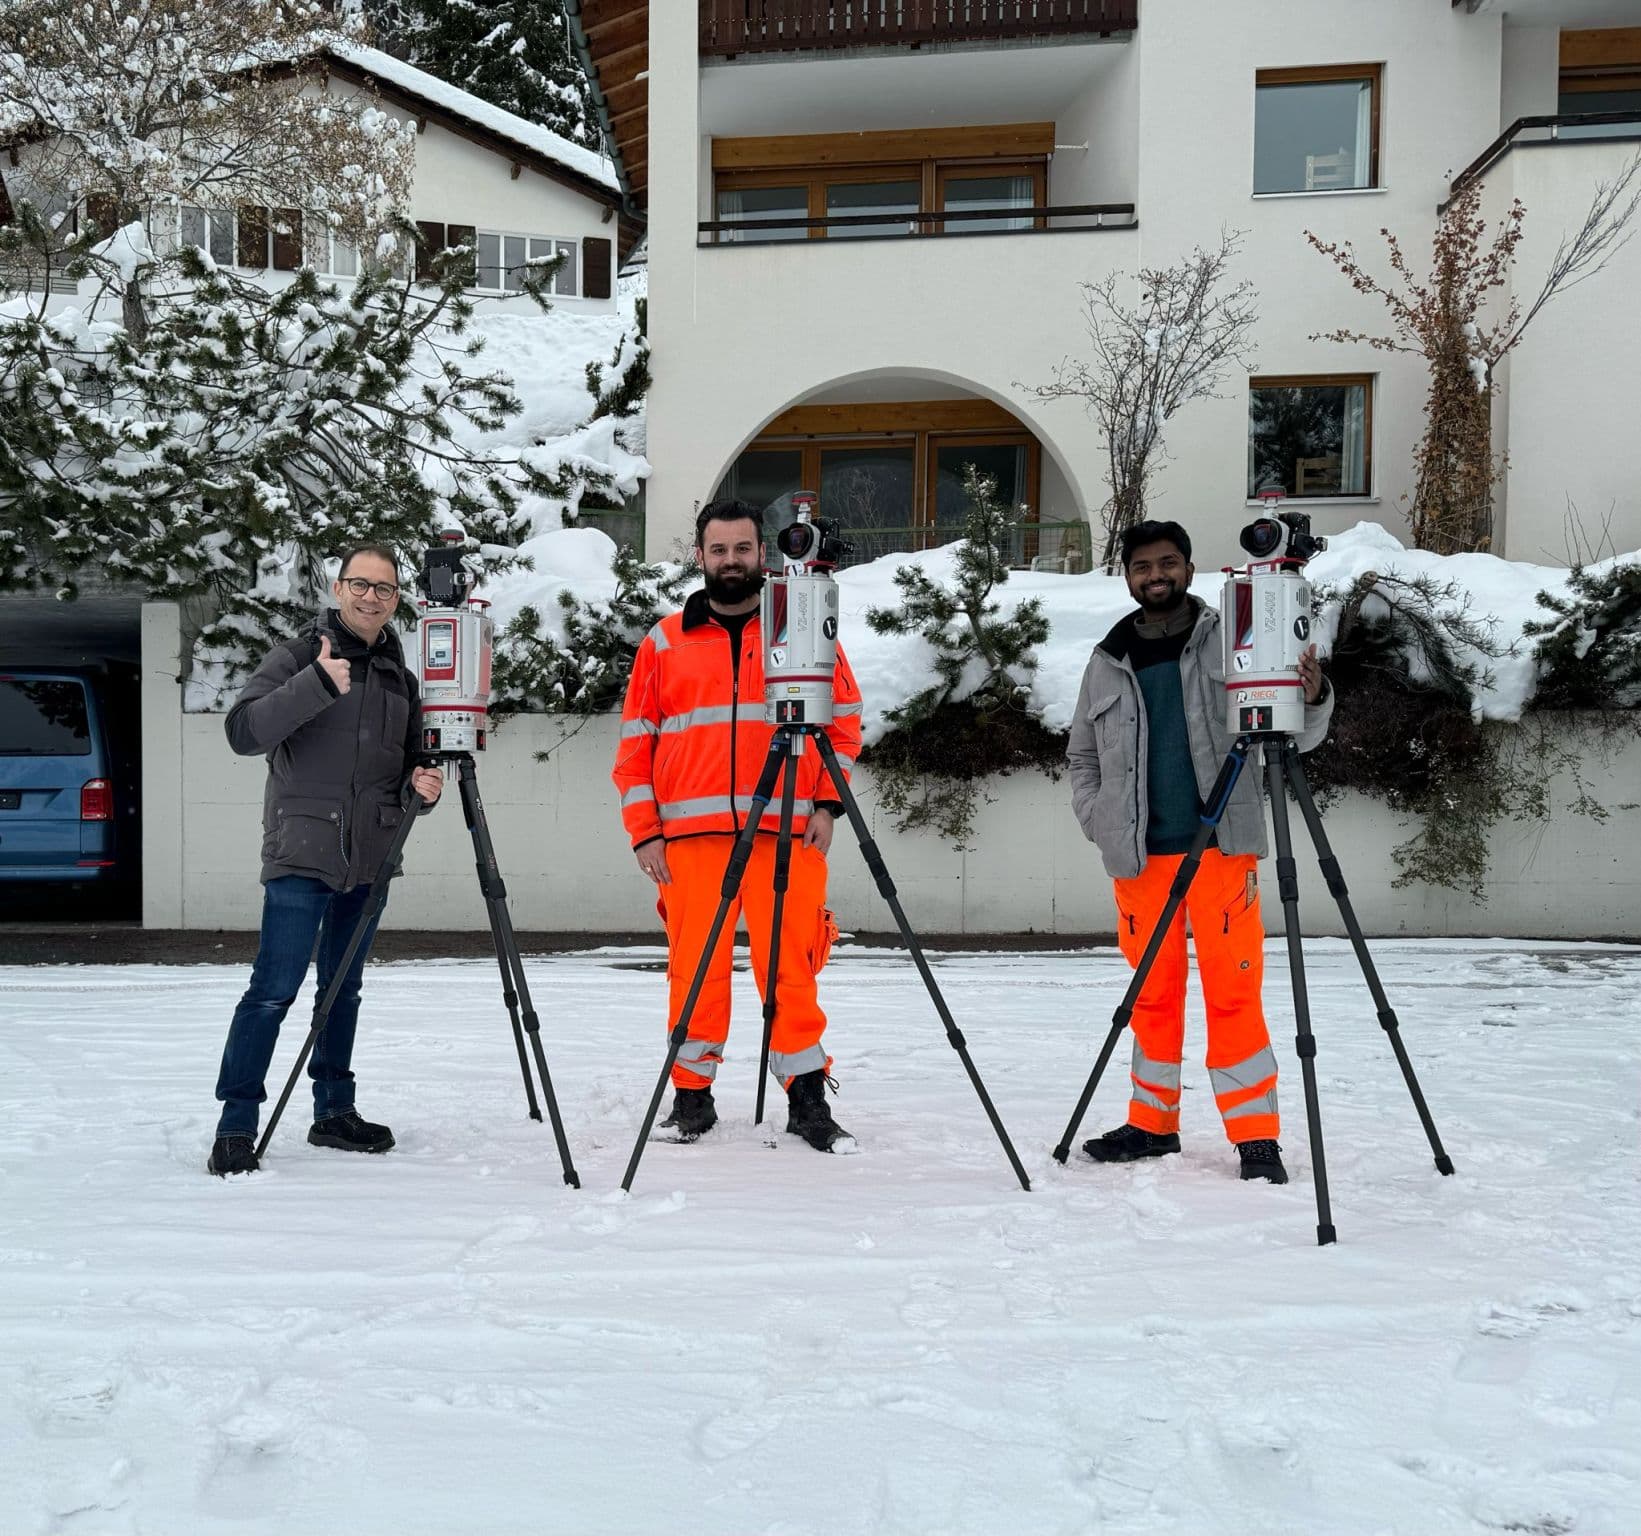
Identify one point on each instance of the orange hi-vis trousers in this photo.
(1223, 905)
(688, 906)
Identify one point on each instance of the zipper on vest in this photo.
(734, 721)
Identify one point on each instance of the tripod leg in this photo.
(733, 874)
(478, 830)
(783, 869)
(1287, 880)
(321, 1012)
(512, 964)
(1218, 798)
(1341, 894)
(886, 887)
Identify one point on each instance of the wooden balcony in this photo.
(730, 27)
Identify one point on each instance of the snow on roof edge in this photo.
(508, 125)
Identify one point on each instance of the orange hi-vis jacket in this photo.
(694, 741)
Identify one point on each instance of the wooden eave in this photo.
(613, 39)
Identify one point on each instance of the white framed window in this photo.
(501, 259)
(326, 251)
(212, 230)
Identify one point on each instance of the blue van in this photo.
(56, 781)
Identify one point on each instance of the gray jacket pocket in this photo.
(307, 834)
(373, 836)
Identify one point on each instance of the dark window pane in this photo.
(1598, 101)
(763, 203)
(871, 493)
(972, 192)
(1308, 440)
(1004, 462)
(1313, 137)
(44, 718)
(489, 262)
(766, 477)
(851, 198)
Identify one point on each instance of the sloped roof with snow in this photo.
(425, 89)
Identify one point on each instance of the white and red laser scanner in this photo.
(1265, 622)
(800, 624)
(458, 635)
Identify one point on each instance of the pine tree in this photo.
(1589, 649)
(586, 672)
(515, 54)
(249, 436)
(975, 718)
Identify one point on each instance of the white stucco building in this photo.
(871, 359)
(483, 176)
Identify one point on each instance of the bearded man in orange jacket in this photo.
(694, 743)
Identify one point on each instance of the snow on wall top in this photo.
(459, 103)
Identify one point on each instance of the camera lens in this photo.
(1262, 537)
(796, 540)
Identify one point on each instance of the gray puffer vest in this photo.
(338, 764)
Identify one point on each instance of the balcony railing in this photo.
(1562, 128)
(783, 26)
(1061, 547)
(926, 226)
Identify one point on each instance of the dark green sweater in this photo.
(1154, 650)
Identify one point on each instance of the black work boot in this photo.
(1262, 1160)
(349, 1133)
(808, 1116)
(1129, 1143)
(693, 1113)
(232, 1154)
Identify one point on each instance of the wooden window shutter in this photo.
(287, 239)
(432, 242)
(103, 211)
(595, 268)
(252, 246)
(468, 235)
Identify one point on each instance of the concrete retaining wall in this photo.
(561, 847)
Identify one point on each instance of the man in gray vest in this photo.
(1147, 742)
(338, 717)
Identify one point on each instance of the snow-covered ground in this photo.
(763, 1339)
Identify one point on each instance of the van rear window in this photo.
(43, 717)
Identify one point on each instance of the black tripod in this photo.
(515, 990)
(1282, 768)
(785, 751)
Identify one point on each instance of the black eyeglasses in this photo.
(358, 586)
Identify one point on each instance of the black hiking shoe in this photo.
(349, 1133)
(232, 1154)
(1129, 1143)
(1262, 1160)
(693, 1113)
(808, 1116)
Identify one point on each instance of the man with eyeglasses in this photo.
(338, 717)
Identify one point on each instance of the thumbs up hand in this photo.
(339, 672)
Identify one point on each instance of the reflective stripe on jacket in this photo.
(1110, 742)
(693, 737)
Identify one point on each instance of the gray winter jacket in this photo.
(1109, 743)
(338, 764)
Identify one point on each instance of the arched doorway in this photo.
(887, 455)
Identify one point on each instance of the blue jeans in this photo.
(295, 909)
